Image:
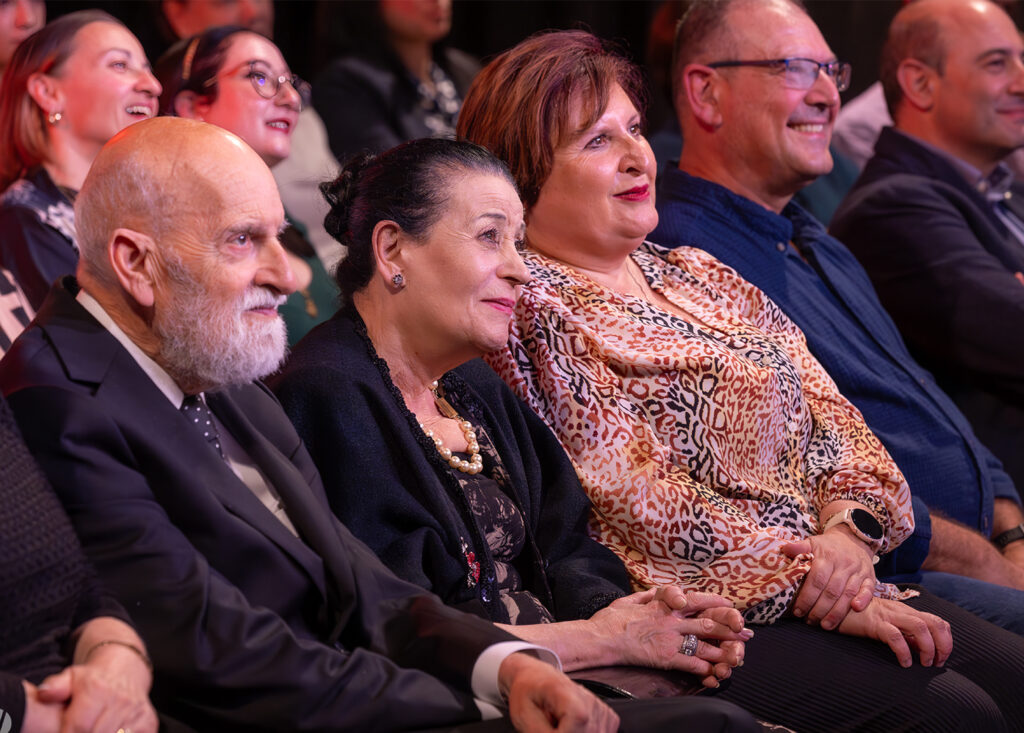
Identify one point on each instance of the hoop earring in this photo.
(54, 117)
(397, 280)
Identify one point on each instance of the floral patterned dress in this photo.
(503, 528)
(705, 443)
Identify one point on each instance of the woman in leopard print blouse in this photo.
(714, 447)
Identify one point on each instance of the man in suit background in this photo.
(195, 498)
(757, 92)
(937, 219)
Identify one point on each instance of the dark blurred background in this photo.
(309, 31)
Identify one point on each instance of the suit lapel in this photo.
(312, 518)
(91, 355)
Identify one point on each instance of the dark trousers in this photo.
(814, 680)
(670, 714)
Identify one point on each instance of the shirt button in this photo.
(781, 246)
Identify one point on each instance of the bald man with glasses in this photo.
(756, 89)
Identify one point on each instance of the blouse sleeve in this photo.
(844, 459)
(666, 526)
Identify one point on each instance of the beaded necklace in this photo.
(475, 464)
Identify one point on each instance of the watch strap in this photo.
(1002, 539)
(845, 516)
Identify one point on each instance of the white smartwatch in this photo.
(861, 522)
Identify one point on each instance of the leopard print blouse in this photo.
(704, 446)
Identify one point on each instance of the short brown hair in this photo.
(520, 105)
(702, 27)
(23, 139)
(912, 35)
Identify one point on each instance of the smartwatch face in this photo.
(866, 523)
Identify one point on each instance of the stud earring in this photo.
(54, 117)
(397, 280)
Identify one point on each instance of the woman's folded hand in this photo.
(649, 629)
(841, 578)
(904, 630)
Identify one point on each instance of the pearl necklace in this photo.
(475, 464)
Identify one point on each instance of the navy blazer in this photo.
(249, 627)
(948, 271)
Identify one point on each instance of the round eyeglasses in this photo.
(267, 85)
(800, 73)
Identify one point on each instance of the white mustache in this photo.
(258, 299)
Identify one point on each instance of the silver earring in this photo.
(54, 117)
(397, 280)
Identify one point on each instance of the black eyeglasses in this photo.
(800, 73)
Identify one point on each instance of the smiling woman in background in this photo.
(69, 88)
(237, 79)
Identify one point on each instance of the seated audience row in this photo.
(715, 449)
(730, 479)
(742, 160)
(195, 499)
(475, 499)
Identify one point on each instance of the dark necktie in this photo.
(199, 414)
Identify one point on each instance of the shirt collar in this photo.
(994, 187)
(164, 382)
(764, 225)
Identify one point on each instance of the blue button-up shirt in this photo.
(823, 289)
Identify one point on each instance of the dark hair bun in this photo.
(407, 185)
(341, 194)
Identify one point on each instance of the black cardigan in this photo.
(387, 483)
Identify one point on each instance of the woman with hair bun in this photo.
(432, 461)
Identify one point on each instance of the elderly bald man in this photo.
(195, 498)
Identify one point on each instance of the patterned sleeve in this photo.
(844, 459)
(667, 526)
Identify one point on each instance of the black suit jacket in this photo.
(249, 627)
(950, 274)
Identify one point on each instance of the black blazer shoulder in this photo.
(249, 627)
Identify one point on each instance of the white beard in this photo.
(207, 341)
